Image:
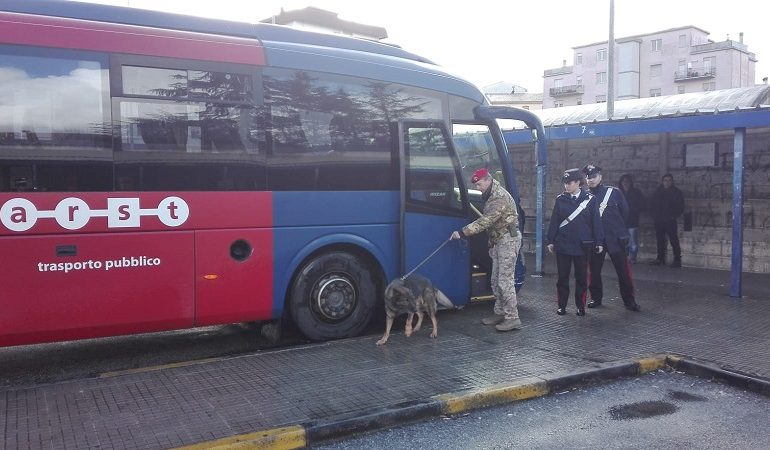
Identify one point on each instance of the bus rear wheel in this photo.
(333, 296)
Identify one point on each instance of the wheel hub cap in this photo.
(335, 298)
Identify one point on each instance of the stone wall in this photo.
(708, 191)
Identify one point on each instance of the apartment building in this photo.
(667, 62)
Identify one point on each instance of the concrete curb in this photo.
(709, 370)
(302, 435)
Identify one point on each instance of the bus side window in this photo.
(344, 135)
(222, 134)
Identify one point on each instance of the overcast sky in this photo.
(486, 41)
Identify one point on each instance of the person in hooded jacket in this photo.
(613, 211)
(636, 205)
(575, 231)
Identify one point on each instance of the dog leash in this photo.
(425, 260)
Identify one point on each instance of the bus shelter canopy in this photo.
(710, 102)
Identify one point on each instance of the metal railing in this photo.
(695, 73)
(573, 89)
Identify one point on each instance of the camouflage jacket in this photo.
(499, 216)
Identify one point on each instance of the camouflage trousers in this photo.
(504, 255)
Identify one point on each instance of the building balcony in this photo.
(561, 91)
(695, 73)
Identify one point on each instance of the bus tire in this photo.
(333, 296)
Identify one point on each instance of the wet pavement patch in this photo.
(686, 396)
(642, 410)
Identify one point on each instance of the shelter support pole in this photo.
(736, 263)
(539, 219)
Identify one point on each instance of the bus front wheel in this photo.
(333, 296)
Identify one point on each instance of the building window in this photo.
(655, 92)
(656, 45)
(709, 64)
(709, 86)
(558, 104)
(601, 54)
(578, 59)
(580, 102)
(680, 89)
(579, 80)
(601, 77)
(682, 40)
(559, 82)
(601, 99)
(656, 70)
(525, 107)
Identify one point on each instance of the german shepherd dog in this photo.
(415, 295)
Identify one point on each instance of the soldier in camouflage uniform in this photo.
(501, 222)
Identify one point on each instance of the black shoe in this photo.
(635, 307)
(594, 304)
(580, 312)
(561, 311)
(676, 264)
(657, 262)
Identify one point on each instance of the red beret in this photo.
(479, 174)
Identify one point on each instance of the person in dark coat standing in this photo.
(666, 205)
(613, 210)
(636, 205)
(574, 232)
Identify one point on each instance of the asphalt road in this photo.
(660, 410)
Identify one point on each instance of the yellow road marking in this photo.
(650, 364)
(274, 439)
(674, 360)
(503, 393)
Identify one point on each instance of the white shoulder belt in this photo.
(575, 213)
(606, 199)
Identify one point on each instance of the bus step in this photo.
(480, 288)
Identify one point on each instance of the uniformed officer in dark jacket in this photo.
(613, 210)
(575, 231)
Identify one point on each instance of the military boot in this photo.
(493, 319)
(508, 325)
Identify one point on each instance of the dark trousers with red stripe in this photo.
(564, 265)
(622, 268)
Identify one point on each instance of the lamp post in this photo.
(611, 64)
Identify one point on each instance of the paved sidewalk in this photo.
(685, 312)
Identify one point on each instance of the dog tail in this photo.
(444, 300)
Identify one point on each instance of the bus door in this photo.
(477, 148)
(432, 206)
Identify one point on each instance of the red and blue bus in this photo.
(162, 172)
